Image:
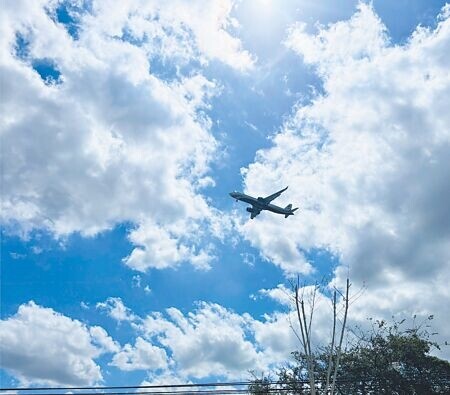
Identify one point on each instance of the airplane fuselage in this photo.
(259, 204)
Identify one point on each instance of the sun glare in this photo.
(264, 3)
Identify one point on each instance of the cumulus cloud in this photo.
(115, 308)
(363, 35)
(209, 341)
(198, 30)
(280, 294)
(143, 356)
(280, 333)
(165, 246)
(41, 346)
(215, 341)
(212, 340)
(111, 142)
(367, 163)
(102, 340)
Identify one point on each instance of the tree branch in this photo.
(330, 357)
(339, 350)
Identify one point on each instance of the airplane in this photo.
(260, 203)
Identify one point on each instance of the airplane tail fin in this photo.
(290, 209)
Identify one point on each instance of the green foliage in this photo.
(384, 360)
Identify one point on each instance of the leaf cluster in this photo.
(384, 360)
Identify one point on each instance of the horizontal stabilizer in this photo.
(290, 209)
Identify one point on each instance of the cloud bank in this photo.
(41, 346)
(367, 161)
(97, 138)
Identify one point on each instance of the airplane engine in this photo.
(249, 209)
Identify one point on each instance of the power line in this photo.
(178, 389)
(119, 387)
(199, 388)
(108, 389)
(178, 392)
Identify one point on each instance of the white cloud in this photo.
(210, 341)
(112, 142)
(215, 341)
(116, 309)
(41, 346)
(367, 163)
(160, 248)
(279, 334)
(143, 356)
(341, 43)
(276, 245)
(280, 294)
(102, 340)
(198, 30)
(136, 281)
(248, 258)
(276, 337)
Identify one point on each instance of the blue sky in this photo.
(124, 129)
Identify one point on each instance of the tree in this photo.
(335, 350)
(307, 379)
(386, 359)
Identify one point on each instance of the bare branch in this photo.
(309, 353)
(305, 338)
(313, 302)
(330, 356)
(339, 349)
(300, 320)
(293, 329)
(307, 333)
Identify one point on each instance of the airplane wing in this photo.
(269, 198)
